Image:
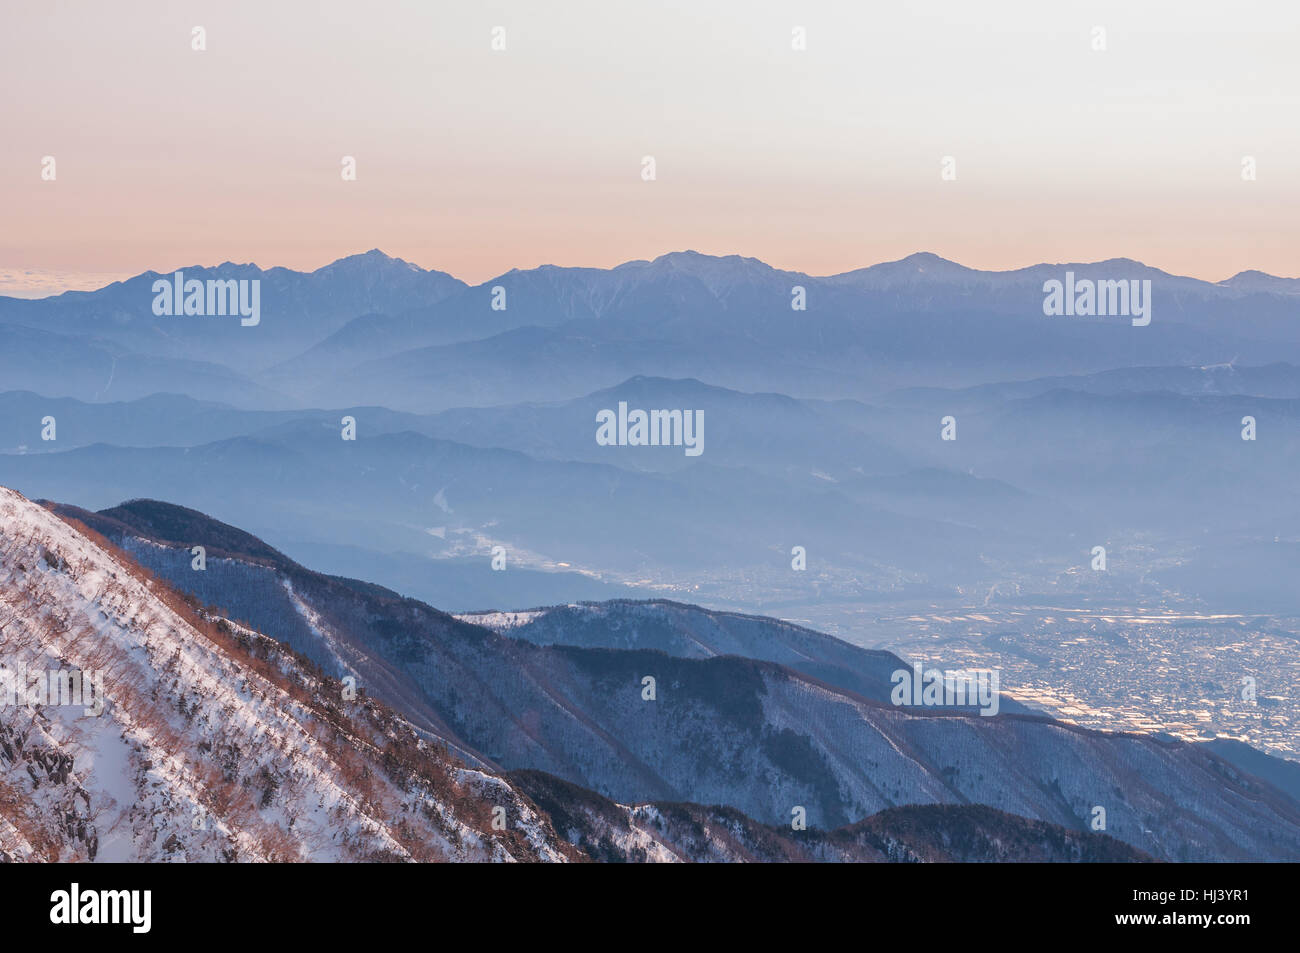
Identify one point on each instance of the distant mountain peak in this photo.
(923, 258)
(1254, 280)
(919, 266)
(691, 255)
(719, 273)
(372, 258)
(645, 383)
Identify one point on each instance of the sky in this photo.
(474, 161)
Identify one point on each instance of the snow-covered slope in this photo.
(213, 743)
(204, 740)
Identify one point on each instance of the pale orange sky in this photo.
(475, 161)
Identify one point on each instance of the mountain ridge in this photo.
(812, 743)
(917, 259)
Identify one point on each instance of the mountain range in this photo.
(377, 330)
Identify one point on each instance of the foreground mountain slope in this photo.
(213, 743)
(753, 735)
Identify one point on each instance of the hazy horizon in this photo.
(473, 161)
(37, 283)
